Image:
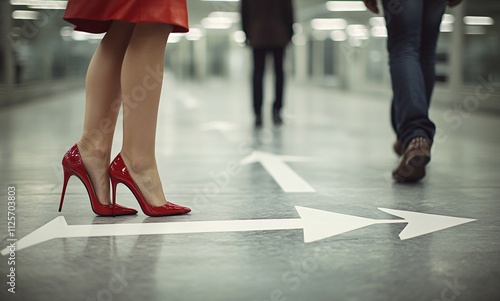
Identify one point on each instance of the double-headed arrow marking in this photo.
(317, 225)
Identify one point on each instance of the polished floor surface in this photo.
(333, 154)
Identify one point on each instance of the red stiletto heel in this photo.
(67, 175)
(73, 165)
(118, 173)
(114, 183)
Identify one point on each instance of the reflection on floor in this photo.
(333, 154)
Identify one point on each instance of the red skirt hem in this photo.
(102, 26)
(96, 16)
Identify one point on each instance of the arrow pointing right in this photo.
(316, 224)
(422, 223)
(319, 224)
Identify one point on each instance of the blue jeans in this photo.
(413, 31)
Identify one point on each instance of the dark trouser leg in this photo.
(259, 62)
(279, 56)
(394, 123)
(410, 104)
(433, 13)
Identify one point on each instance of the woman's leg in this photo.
(102, 94)
(141, 79)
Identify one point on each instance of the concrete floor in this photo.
(205, 130)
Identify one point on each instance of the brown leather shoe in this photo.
(411, 168)
(258, 121)
(277, 119)
(398, 148)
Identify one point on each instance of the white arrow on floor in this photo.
(275, 165)
(221, 126)
(317, 225)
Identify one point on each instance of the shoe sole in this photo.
(413, 169)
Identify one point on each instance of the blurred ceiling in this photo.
(306, 10)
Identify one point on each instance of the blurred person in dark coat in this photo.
(268, 25)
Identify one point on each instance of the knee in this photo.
(428, 55)
(258, 72)
(152, 32)
(427, 61)
(404, 50)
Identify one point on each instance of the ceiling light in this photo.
(239, 37)
(345, 6)
(357, 31)
(299, 40)
(194, 34)
(474, 20)
(217, 23)
(328, 24)
(448, 19)
(338, 35)
(379, 32)
(80, 36)
(377, 21)
(234, 16)
(38, 4)
(174, 38)
(297, 28)
(25, 15)
(446, 27)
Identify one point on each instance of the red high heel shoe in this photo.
(118, 173)
(73, 165)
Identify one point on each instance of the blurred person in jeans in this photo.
(413, 31)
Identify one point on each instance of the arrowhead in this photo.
(422, 223)
(295, 159)
(255, 156)
(52, 229)
(319, 224)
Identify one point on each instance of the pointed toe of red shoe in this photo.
(119, 173)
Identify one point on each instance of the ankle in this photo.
(138, 164)
(94, 149)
